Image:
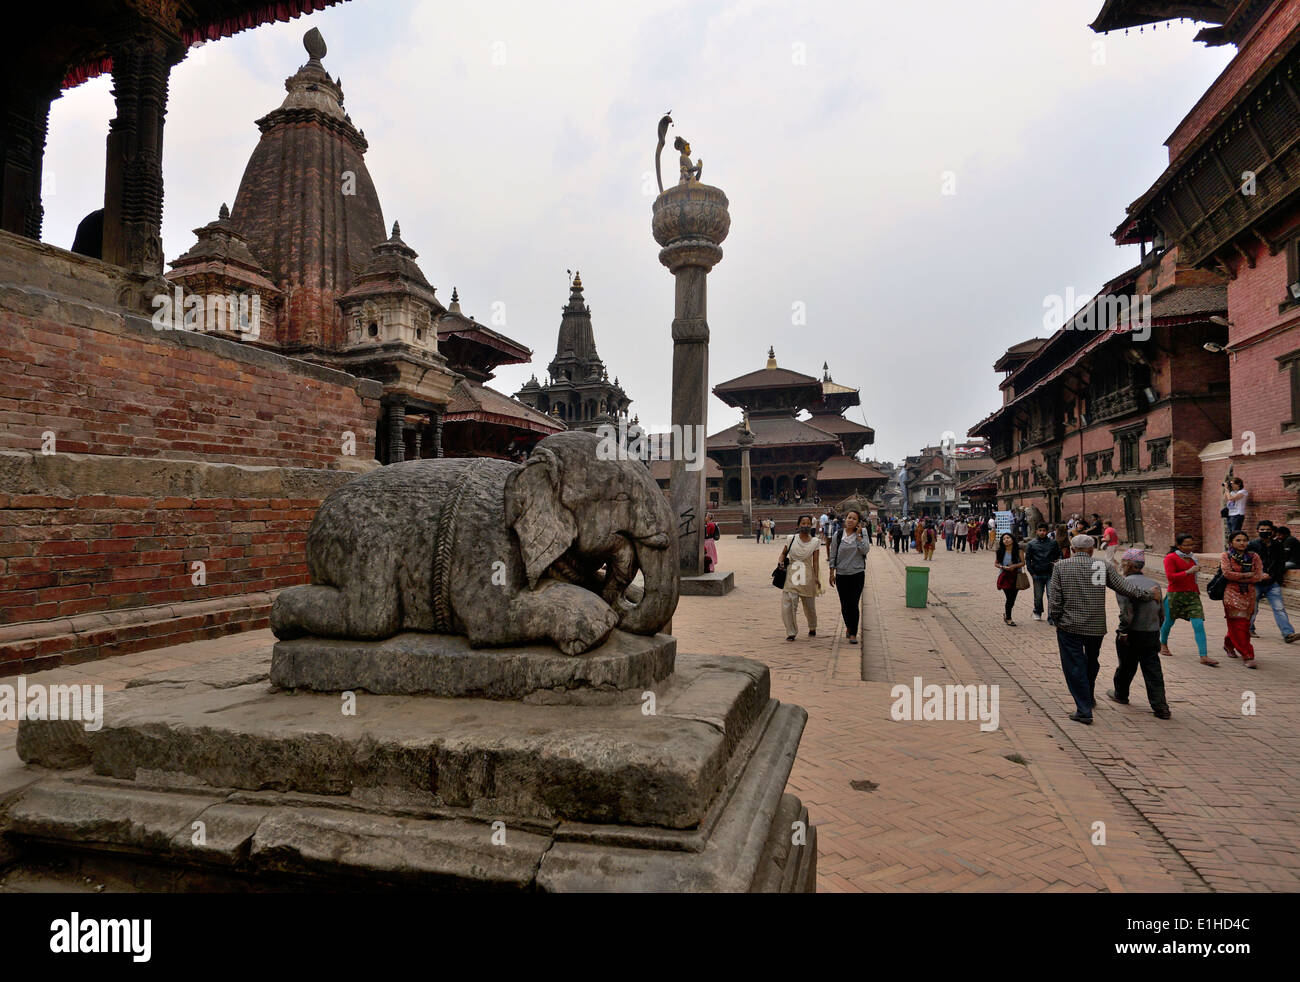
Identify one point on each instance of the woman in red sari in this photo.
(1242, 569)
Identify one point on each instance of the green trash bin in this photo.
(918, 585)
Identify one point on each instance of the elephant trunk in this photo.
(659, 568)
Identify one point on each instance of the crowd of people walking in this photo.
(1069, 568)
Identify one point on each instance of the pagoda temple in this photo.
(480, 421)
(792, 456)
(578, 391)
(307, 239)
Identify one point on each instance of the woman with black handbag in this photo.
(801, 578)
(1012, 577)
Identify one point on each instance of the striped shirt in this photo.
(1076, 595)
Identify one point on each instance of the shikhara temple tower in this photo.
(579, 391)
(335, 287)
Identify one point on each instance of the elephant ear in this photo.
(534, 510)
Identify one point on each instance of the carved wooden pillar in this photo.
(133, 182)
(23, 129)
(396, 426)
(437, 433)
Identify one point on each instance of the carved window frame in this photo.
(1290, 363)
(1158, 452)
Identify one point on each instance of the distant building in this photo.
(578, 392)
(791, 456)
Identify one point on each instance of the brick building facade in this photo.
(1111, 413)
(1229, 201)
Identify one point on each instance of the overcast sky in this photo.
(512, 141)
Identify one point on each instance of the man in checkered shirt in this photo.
(1076, 602)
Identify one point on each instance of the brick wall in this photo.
(170, 449)
(105, 384)
(68, 556)
(1261, 389)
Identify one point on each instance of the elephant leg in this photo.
(573, 617)
(324, 611)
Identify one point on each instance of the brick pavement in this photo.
(1209, 800)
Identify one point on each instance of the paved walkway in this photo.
(1209, 800)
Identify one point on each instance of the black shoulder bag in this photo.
(778, 574)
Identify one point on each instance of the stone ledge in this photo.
(73, 475)
(596, 764)
(716, 584)
(414, 663)
(267, 840)
(91, 636)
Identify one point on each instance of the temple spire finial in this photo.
(314, 42)
(771, 357)
(224, 212)
(397, 231)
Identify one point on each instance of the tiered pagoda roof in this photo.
(473, 349)
(773, 432)
(1233, 19)
(472, 401)
(771, 390)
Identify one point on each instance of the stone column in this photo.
(437, 433)
(416, 454)
(396, 425)
(690, 221)
(746, 439)
(133, 183)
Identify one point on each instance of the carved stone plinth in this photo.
(416, 663)
(684, 791)
(716, 584)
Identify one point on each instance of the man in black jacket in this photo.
(1041, 554)
(1292, 546)
(1272, 554)
(1095, 528)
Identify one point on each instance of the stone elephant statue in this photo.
(1034, 518)
(499, 552)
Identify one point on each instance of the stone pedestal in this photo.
(413, 664)
(716, 584)
(690, 221)
(211, 778)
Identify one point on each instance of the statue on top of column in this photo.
(690, 172)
